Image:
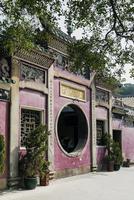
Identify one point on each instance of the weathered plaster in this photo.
(101, 113)
(14, 120)
(32, 99)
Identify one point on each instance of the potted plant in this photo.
(109, 163)
(126, 163)
(117, 155)
(2, 154)
(109, 152)
(33, 163)
(44, 174)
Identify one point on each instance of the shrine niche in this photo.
(4, 95)
(4, 69)
(29, 73)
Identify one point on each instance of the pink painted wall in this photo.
(128, 142)
(32, 98)
(61, 160)
(127, 139)
(100, 152)
(117, 124)
(4, 129)
(101, 113)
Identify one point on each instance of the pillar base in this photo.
(94, 168)
(14, 182)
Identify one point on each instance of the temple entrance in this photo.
(72, 129)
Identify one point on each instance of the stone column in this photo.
(110, 115)
(51, 117)
(93, 126)
(14, 121)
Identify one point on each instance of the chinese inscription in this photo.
(72, 92)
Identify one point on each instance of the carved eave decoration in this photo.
(118, 110)
(35, 57)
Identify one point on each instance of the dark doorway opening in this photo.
(72, 128)
(117, 137)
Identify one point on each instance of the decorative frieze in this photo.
(118, 103)
(4, 69)
(102, 96)
(42, 59)
(32, 74)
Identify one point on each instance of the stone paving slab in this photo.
(93, 186)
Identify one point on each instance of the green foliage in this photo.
(84, 59)
(108, 29)
(113, 150)
(2, 154)
(127, 89)
(20, 19)
(118, 159)
(34, 162)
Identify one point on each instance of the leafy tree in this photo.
(107, 25)
(21, 19)
(84, 60)
(108, 31)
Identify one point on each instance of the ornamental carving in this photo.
(4, 69)
(4, 95)
(32, 74)
(102, 96)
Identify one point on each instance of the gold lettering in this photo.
(71, 92)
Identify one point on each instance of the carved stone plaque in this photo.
(72, 92)
(29, 73)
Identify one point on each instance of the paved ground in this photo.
(93, 186)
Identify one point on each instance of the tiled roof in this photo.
(129, 100)
(63, 36)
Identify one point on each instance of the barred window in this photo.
(30, 119)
